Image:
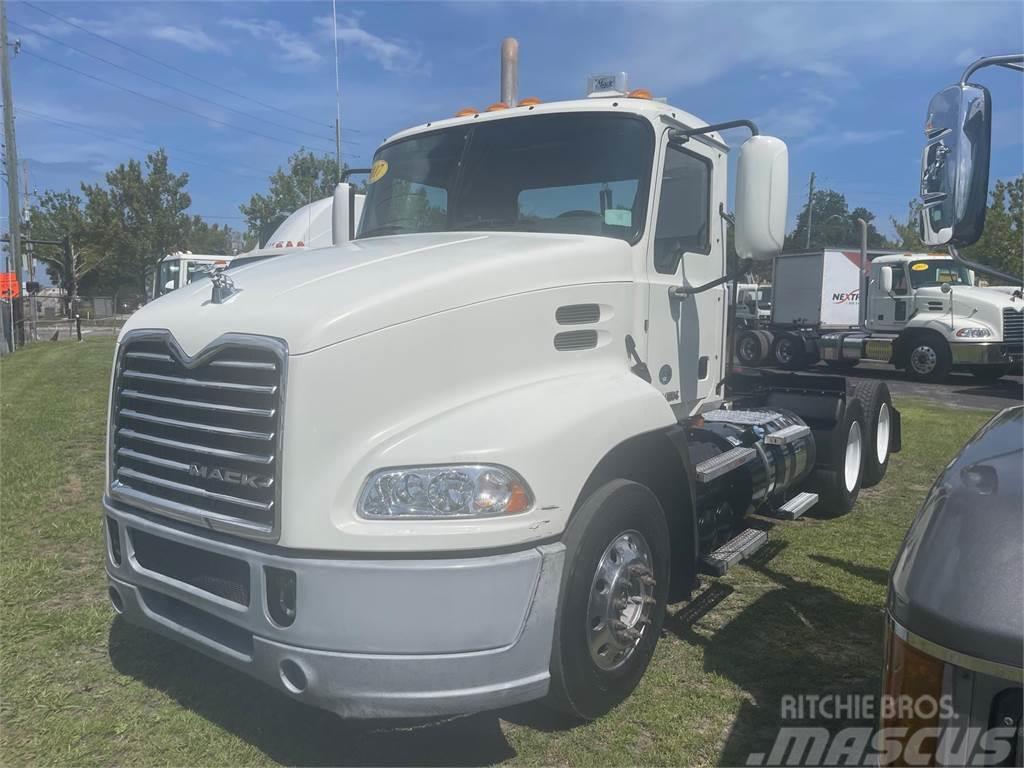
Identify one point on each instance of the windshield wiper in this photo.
(384, 229)
(482, 223)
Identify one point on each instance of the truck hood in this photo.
(315, 298)
(982, 304)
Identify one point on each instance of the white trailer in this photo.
(464, 460)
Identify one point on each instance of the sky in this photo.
(231, 89)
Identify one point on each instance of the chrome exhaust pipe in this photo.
(510, 71)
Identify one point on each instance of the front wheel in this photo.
(612, 601)
(928, 358)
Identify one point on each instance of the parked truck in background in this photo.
(465, 460)
(921, 312)
(954, 633)
(311, 226)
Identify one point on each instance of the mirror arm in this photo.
(729, 217)
(683, 134)
(1010, 61)
(955, 253)
(351, 172)
(682, 291)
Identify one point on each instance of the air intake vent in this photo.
(571, 340)
(935, 306)
(1013, 325)
(578, 314)
(198, 440)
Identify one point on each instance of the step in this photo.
(799, 504)
(718, 465)
(738, 548)
(787, 435)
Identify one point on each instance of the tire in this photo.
(750, 348)
(839, 485)
(841, 365)
(788, 351)
(989, 373)
(584, 683)
(766, 344)
(927, 357)
(876, 402)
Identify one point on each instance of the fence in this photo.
(43, 317)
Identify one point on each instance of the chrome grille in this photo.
(198, 439)
(1013, 325)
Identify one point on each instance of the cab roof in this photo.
(655, 111)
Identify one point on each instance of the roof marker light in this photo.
(497, 106)
(639, 93)
(529, 101)
(466, 112)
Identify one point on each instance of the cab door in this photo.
(889, 313)
(686, 334)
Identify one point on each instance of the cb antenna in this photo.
(337, 94)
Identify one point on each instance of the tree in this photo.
(832, 224)
(308, 177)
(138, 218)
(1001, 245)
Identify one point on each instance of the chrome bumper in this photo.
(986, 353)
(372, 637)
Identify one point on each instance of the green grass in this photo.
(78, 687)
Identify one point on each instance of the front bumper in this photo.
(986, 353)
(371, 637)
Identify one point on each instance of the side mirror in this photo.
(954, 165)
(762, 191)
(885, 281)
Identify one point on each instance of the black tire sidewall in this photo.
(831, 483)
(871, 395)
(797, 358)
(578, 685)
(757, 340)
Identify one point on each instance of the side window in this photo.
(899, 281)
(684, 211)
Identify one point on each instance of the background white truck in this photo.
(466, 459)
(921, 312)
(311, 226)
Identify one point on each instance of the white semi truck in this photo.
(921, 312)
(465, 459)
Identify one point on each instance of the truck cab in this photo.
(181, 268)
(463, 460)
(941, 317)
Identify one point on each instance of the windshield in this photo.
(584, 174)
(937, 272)
(167, 277)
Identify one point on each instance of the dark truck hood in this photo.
(959, 578)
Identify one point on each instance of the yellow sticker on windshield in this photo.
(919, 267)
(377, 171)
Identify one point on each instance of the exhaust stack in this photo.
(510, 71)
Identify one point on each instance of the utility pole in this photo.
(810, 209)
(11, 156)
(30, 257)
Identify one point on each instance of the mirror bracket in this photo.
(1013, 61)
(683, 134)
(729, 217)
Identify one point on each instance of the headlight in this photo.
(458, 490)
(973, 333)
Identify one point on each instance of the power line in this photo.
(167, 104)
(162, 63)
(130, 142)
(133, 72)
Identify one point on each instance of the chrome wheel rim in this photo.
(882, 434)
(923, 360)
(851, 469)
(747, 351)
(621, 600)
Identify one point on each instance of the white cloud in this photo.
(393, 55)
(291, 48)
(193, 39)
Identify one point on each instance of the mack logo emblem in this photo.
(231, 476)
